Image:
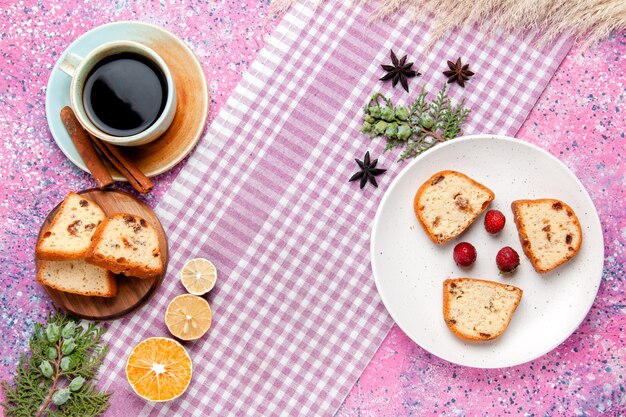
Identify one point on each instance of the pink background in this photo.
(579, 118)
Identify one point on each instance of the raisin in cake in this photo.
(448, 203)
(77, 277)
(69, 234)
(126, 244)
(549, 231)
(476, 309)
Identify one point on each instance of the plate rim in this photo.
(440, 147)
(107, 26)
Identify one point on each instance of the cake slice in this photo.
(77, 277)
(549, 232)
(70, 232)
(448, 203)
(475, 309)
(126, 244)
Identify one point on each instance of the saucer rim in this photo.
(111, 26)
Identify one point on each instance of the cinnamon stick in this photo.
(124, 165)
(85, 148)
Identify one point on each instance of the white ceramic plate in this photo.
(409, 269)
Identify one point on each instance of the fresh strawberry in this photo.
(507, 259)
(494, 221)
(464, 254)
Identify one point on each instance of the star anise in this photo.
(368, 171)
(458, 72)
(399, 71)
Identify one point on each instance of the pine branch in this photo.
(89, 353)
(88, 402)
(420, 106)
(417, 127)
(438, 107)
(55, 379)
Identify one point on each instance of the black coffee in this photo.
(124, 94)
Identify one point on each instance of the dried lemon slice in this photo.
(188, 317)
(159, 369)
(198, 276)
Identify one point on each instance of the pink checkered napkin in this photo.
(266, 197)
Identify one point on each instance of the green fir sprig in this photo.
(56, 379)
(417, 127)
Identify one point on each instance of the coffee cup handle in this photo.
(70, 63)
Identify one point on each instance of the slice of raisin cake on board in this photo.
(476, 309)
(126, 244)
(69, 235)
(549, 231)
(448, 203)
(77, 277)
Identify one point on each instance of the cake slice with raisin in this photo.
(126, 244)
(448, 203)
(77, 277)
(549, 232)
(69, 235)
(476, 309)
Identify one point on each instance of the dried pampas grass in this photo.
(587, 20)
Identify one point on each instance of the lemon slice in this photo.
(188, 317)
(198, 276)
(159, 369)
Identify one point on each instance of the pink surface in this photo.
(579, 118)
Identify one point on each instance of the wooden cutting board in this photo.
(132, 293)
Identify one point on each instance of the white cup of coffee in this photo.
(122, 92)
